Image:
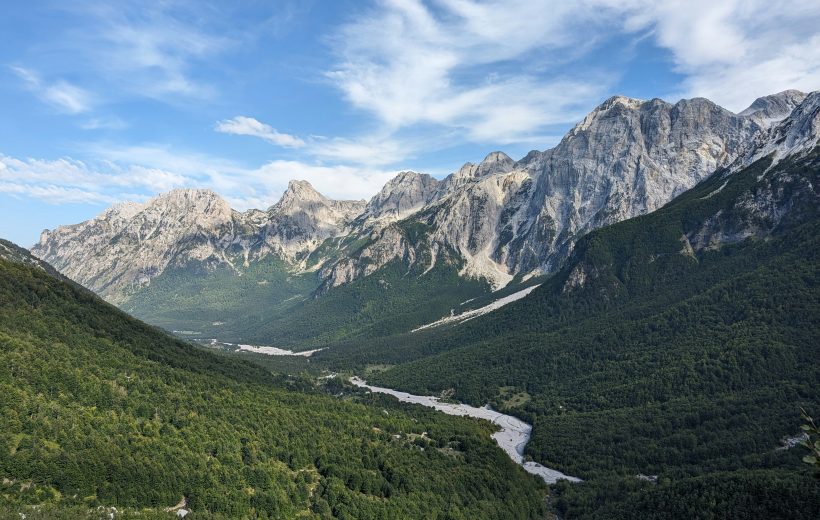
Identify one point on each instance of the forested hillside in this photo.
(100, 411)
(680, 344)
(267, 304)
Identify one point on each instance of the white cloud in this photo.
(158, 50)
(60, 94)
(497, 69)
(734, 51)
(340, 182)
(242, 125)
(55, 194)
(153, 52)
(434, 74)
(408, 63)
(70, 180)
(150, 169)
(371, 150)
(104, 123)
(368, 150)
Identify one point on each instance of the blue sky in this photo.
(109, 101)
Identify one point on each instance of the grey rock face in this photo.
(769, 110)
(128, 245)
(782, 194)
(627, 157)
(402, 196)
(796, 134)
(303, 219)
(496, 219)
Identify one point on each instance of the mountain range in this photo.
(645, 294)
(668, 359)
(493, 224)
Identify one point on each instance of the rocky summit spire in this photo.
(796, 134)
(771, 109)
(130, 244)
(403, 195)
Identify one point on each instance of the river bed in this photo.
(512, 437)
(259, 349)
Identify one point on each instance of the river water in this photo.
(512, 437)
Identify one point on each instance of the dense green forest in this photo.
(99, 411)
(389, 301)
(266, 304)
(211, 301)
(647, 356)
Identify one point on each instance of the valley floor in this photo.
(512, 437)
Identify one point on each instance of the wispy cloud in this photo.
(416, 76)
(244, 186)
(60, 94)
(53, 194)
(153, 51)
(735, 50)
(131, 50)
(242, 125)
(104, 123)
(501, 70)
(159, 50)
(374, 150)
(70, 180)
(471, 65)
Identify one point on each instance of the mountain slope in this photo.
(100, 411)
(310, 270)
(121, 251)
(627, 157)
(680, 344)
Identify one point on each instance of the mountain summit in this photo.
(128, 245)
(768, 110)
(494, 221)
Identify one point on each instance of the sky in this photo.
(108, 101)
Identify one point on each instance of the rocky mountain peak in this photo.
(405, 178)
(302, 198)
(802, 127)
(122, 211)
(299, 192)
(495, 162)
(184, 196)
(183, 208)
(616, 104)
(768, 110)
(623, 101)
(130, 244)
(797, 133)
(404, 194)
(497, 218)
(302, 219)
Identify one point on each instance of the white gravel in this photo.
(268, 351)
(512, 437)
(468, 315)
